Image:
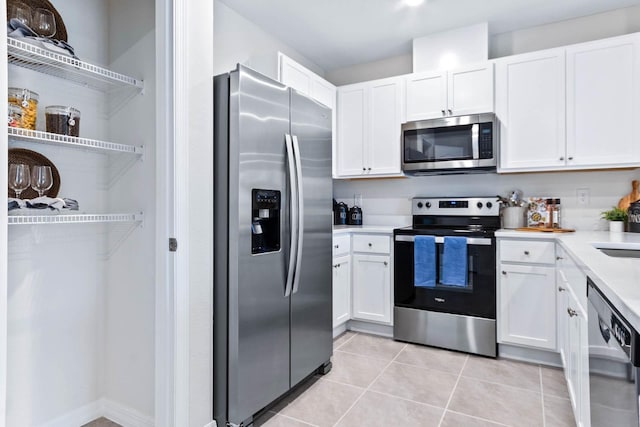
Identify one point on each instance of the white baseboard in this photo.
(530, 355)
(338, 330)
(370, 328)
(77, 417)
(212, 424)
(123, 415)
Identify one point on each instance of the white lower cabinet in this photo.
(528, 306)
(372, 288)
(341, 289)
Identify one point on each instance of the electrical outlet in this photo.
(357, 200)
(583, 196)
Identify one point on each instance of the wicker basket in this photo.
(31, 158)
(61, 30)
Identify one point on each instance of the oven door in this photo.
(477, 299)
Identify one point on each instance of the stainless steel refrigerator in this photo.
(273, 216)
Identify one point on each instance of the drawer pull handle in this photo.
(572, 312)
(504, 273)
(385, 263)
(558, 258)
(526, 252)
(561, 289)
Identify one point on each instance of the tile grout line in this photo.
(369, 386)
(354, 335)
(544, 418)
(361, 355)
(482, 380)
(455, 386)
(295, 419)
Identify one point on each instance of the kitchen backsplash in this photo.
(388, 201)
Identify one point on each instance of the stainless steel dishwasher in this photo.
(613, 364)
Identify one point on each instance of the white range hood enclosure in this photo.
(451, 49)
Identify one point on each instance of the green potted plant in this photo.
(616, 217)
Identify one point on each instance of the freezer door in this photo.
(258, 342)
(311, 302)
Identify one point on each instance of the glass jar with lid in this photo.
(63, 120)
(15, 116)
(27, 100)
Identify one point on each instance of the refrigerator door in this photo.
(311, 299)
(258, 310)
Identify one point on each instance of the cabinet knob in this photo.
(526, 252)
(386, 263)
(450, 112)
(370, 245)
(572, 312)
(364, 169)
(558, 258)
(336, 266)
(443, 113)
(570, 158)
(561, 159)
(369, 168)
(561, 289)
(336, 246)
(504, 273)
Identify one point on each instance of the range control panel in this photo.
(458, 206)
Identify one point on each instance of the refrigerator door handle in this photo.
(300, 213)
(293, 246)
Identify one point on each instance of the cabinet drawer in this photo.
(341, 244)
(528, 251)
(372, 244)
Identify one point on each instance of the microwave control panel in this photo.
(485, 140)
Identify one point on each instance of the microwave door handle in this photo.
(300, 214)
(293, 245)
(474, 141)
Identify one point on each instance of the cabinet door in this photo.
(528, 306)
(372, 288)
(341, 290)
(323, 92)
(426, 95)
(577, 369)
(352, 113)
(603, 91)
(383, 144)
(530, 104)
(295, 75)
(470, 90)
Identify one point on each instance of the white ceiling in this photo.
(340, 33)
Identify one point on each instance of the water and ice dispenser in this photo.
(265, 225)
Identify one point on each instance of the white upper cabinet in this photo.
(530, 105)
(570, 108)
(457, 92)
(369, 124)
(295, 75)
(603, 92)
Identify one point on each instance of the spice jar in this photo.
(28, 102)
(63, 120)
(15, 116)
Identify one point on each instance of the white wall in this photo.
(608, 24)
(238, 40)
(388, 201)
(593, 27)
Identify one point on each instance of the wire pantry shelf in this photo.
(73, 219)
(72, 141)
(39, 59)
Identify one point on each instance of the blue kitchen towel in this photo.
(424, 261)
(454, 261)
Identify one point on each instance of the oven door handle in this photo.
(471, 241)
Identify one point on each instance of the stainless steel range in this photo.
(445, 275)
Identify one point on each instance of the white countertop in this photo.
(617, 278)
(386, 229)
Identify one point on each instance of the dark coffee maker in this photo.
(355, 216)
(339, 213)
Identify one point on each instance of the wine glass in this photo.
(18, 178)
(44, 22)
(21, 12)
(41, 179)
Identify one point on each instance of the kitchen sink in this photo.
(621, 253)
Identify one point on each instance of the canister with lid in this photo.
(27, 100)
(634, 217)
(63, 120)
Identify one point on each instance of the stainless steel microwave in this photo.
(464, 144)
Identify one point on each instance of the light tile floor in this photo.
(380, 382)
(102, 422)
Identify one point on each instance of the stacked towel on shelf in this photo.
(42, 203)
